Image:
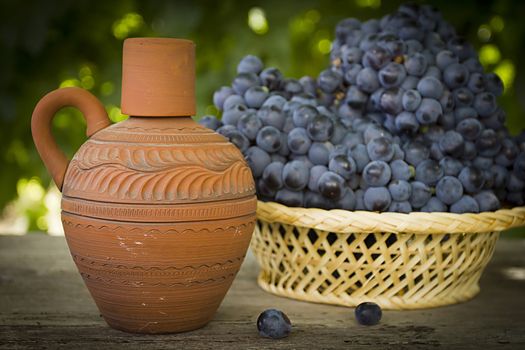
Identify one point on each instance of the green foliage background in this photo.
(47, 44)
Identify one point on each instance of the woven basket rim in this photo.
(344, 221)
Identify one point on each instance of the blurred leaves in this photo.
(48, 44)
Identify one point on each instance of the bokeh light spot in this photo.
(368, 3)
(87, 82)
(497, 23)
(257, 21)
(313, 15)
(69, 83)
(324, 46)
(107, 88)
(115, 114)
(129, 23)
(506, 71)
(484, 32)
(489, 54)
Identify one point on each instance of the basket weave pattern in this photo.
(399, 261)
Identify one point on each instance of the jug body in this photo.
(158, 211)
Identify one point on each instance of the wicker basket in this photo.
(399, 261)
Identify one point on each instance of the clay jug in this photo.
(157, 210)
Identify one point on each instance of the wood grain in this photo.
(44, 304)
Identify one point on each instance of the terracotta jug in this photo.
(158, 211)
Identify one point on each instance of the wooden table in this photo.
(44, 304)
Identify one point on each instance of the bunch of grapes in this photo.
(403, 120)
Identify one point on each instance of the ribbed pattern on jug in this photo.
(136, 162)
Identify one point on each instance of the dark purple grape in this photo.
(257, 159)
(430, 87)
(316, 200)
(239, 140)
(392, 75)
(392, 101)
(488, 143)
(469, 128)
(298, 141)
(319, 153)
(309, 85)
(250, 64)
(264, 192)
(249, 124)
(360, 155)
(473, 65)
(343, 165)
(290, 198)
(269, 139)
(272, 116)
(255, 96)
(400, 207)
(210, 122)
(429, 172)
(331, 185)
(433, 72)
(434, 205)
(320, 128)
(291, 87)
(449, 190)
(493, 84)
(472, 179)
(376, 57)
(273, 175)
(401, 170)
(377, 199)
(406, 122)
(221, 95)
(380, 149)
(350, 76)
(410, 83)
(377, 173)
(295, 175)
(420, 194)
(428, 111)
(466, 204)
(514, 184)
(451, 166)
(411, 100)
(455, 75)
(519, 166)
(367, 80)
(347, 201)
(416, 64)
(476, 83)
(485, 104)
(416, 152)
(487, 201)
(303, 114)
(275, 102)
(460, 47)
(244, 81)
(445, 58)
(329, 80)
(231, 116)
(452, 143)
(355, 98)
(315, 173)
(447, 101)
(271, 78)
(400, 190)
(463, 97)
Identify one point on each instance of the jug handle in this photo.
(96, 117)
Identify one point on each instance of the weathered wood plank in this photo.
(44, 304)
